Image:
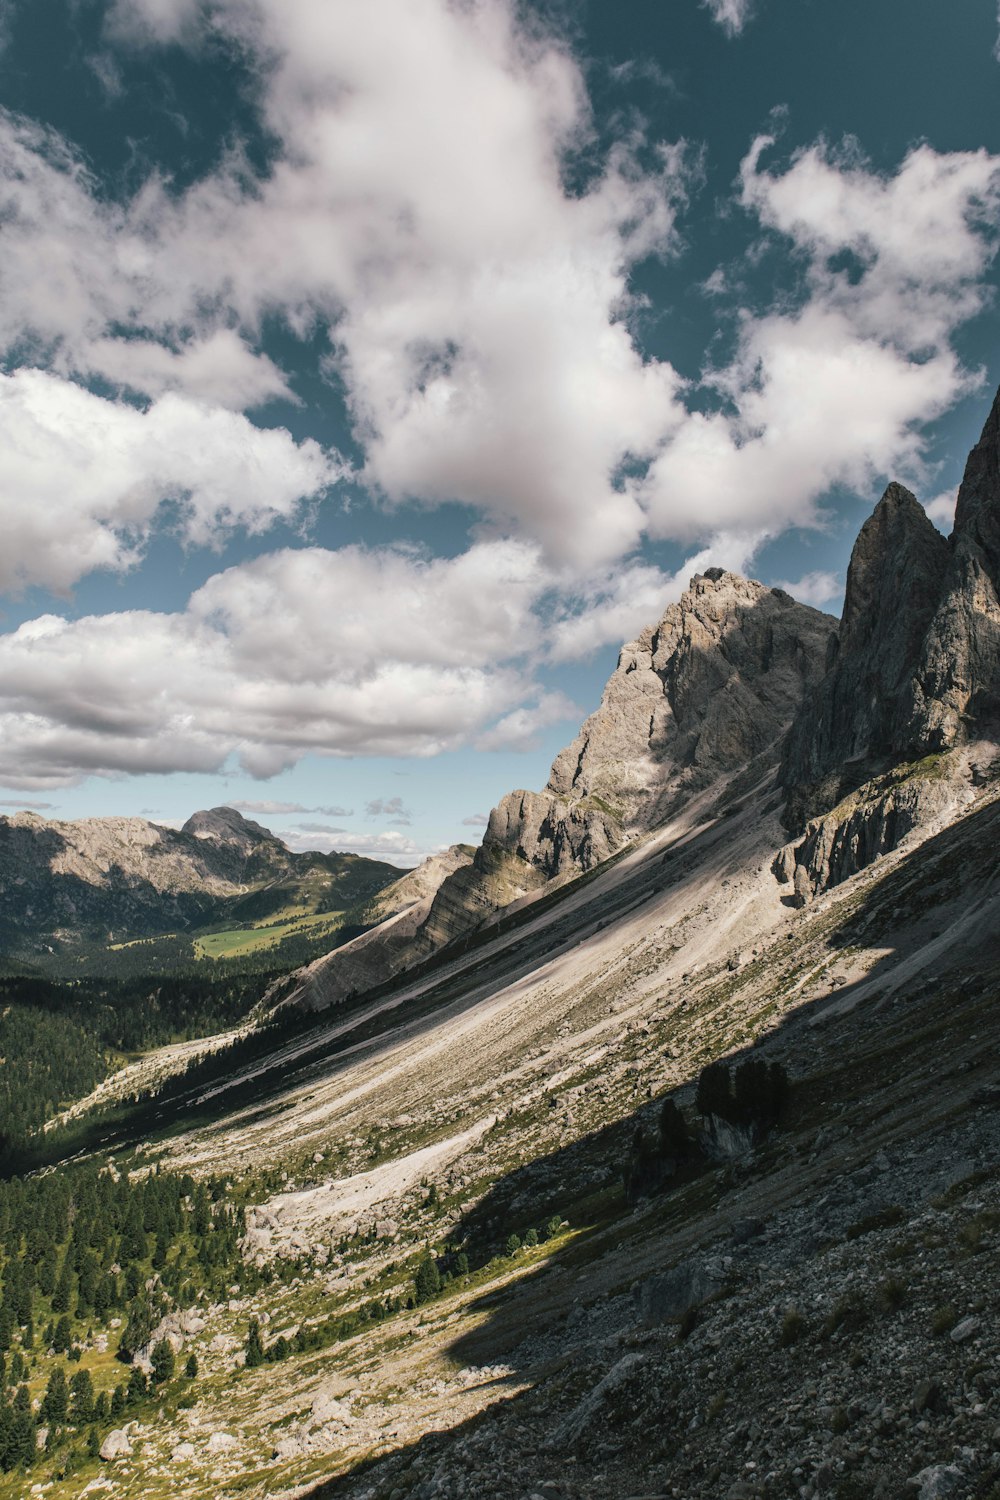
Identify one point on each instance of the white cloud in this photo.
(301, 652)
(816, 588)
(942, 510)
(84, 477)
(394, 848)
(612, 609)
(477, 820)
(477, 308)
(837, 390)
(520, 729)
(732, 15)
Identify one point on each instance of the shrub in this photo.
(254, 1345)
(793, 1326)
(944, 1320)
(891, 1294)
(687, 1324)
(162, 1361)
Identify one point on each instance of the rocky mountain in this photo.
(652, 1148)
(117, 879)
(704, 696)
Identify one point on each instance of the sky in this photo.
(370, 370)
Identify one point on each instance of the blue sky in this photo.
(371, 370)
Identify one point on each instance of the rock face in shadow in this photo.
(848, 730)
(914, 674)
(955, 693)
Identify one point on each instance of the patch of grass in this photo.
(236, 941)
(891, 1294)
(793, 1326)
(944, 1320)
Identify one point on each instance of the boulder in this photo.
(116, 1444)
(661, 1299)
(221, 1442)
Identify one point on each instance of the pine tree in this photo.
(162, 1361)
(427, 1282)
(254, 1347)
(191, 1368)
(55, 1403)
(81, 1398)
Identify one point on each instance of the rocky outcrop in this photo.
(914, 671)
(848, 730)
(955, 693)
(870, 822)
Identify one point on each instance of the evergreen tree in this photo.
(162, 1360)
(427, 1282)
(137, 1388)
(64, 1288)
(93, 1443)
(81, 1398)
(191, 1368)
(254, 1346)
(117, 1402)
(55, 1403)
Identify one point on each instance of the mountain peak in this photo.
(224, 825)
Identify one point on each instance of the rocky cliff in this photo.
(955, 693)
(848, 730)
(909, 710)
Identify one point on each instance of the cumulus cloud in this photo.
(478, 310)
(942, 510)
(84, 478)
(837, 389)
(614, 607)
(816, 588)
(261, 666)
(731, 15)
(521, 728)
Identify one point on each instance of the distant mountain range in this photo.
(65, 886)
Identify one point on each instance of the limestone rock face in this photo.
(711, 687)
(956, 687)
(849, 729)
(709, 690)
